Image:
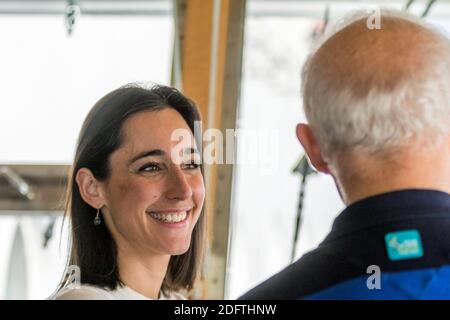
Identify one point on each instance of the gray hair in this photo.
(353, 110)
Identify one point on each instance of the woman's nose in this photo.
(178, 185)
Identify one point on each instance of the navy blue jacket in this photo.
(406, 234)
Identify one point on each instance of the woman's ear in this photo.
(89, 187)
(309, 143)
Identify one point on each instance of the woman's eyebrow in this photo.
(155, 152)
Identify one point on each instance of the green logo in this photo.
(403, 245)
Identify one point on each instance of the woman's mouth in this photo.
(170, 217)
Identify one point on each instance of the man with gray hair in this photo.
(378, 106)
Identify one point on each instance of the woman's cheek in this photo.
(142, 187)
(136, 196)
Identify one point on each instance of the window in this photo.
(278, 36)
(49, 81)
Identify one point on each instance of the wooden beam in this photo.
(227, 106)
(195, 27)
(47, 182)
(210, 37)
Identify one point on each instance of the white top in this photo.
(90, 292)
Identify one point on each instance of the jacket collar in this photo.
(389, 207)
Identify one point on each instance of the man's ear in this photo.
(89, 188)
(309, 143)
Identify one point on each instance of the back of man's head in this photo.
(380, 91)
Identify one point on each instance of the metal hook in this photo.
(72, 13)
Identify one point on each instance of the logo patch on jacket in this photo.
(402, 245)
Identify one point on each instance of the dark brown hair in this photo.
(93, 249)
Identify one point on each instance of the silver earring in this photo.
(97, 219)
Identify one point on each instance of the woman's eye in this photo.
(191, 165)
(151, 167)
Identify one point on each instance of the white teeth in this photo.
(171, 217)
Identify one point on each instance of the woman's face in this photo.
(153, 201)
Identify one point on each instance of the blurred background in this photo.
(239, 60)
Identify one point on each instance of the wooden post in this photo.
(208, 53)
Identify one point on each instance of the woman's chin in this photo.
(178, 251)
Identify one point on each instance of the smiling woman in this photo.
(136, 214)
